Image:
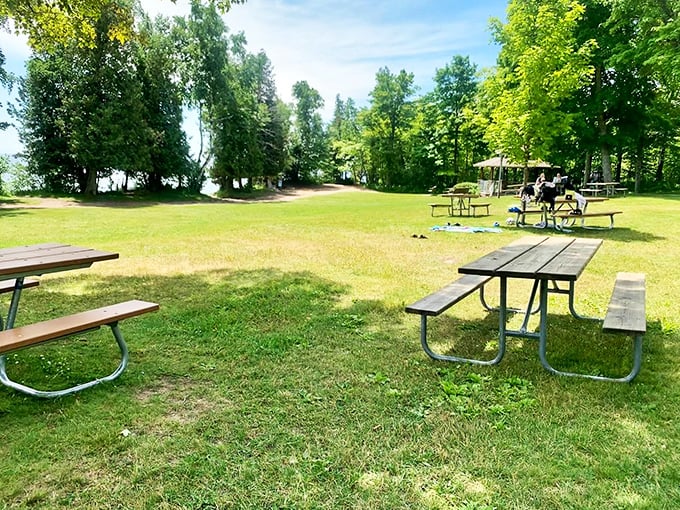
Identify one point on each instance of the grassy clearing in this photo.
(282, 372)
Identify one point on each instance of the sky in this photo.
(336, 46)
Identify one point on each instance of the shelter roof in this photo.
(495, 162)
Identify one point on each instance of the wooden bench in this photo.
(626, 314)
(475, 206)
(521, 220)
(623, 191)
(8, 285)
(564, 217)
(440, 301)
(593, 191)
(54, 329)
(436, 206)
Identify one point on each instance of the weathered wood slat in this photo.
(8, 285)
(626, 312)
(489, 264)
(586, 215)
(25, 336)
(439, 301)
(571, 262)
(16, 251)
(48, 261)
(534, 259)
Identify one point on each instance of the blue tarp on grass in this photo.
(460, 228)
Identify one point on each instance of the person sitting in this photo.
(581, 201)
(557, 181)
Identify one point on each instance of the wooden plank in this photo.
(626, 312)
(50, 262)
(18, 338)
(490, 263)
(533, 260)
(439, 301)
(571, 261)
(587, 214)
(40, 251)
(15, 251)
(8, 285)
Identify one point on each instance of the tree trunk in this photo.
(602, 130)
(587, 168)
(91, 183)
(638, 166)
(619, 162)
(660, 163)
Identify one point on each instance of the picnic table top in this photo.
(45, 258)
(460, 195)
(537, 258)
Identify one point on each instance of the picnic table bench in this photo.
(438, 302)
(436, 206)
(33, 334)
(626, 314)
(475, 206)
(564, 218)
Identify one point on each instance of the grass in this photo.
(282, 371)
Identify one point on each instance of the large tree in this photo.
(309, 149)
(386, 124)
(540, 65)
(455, 87)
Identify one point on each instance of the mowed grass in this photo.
(282, 371)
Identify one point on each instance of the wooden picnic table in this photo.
(547, 262)
(542, 260)
(19, 262)
(609, 188)
(561, 203)
(38, 259)
(460, 202)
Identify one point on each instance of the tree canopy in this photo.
(47, 22)
(590, 85)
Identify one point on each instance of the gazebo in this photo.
(501, 162)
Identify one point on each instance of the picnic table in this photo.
(547, 262)
(460, 202)
(18, 263)
(609, 188)
(562, 205)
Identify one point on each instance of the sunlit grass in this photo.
(282, 372)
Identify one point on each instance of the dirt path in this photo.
(283, 195)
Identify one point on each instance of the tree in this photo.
(347, 153)
(455, 87)
(161, 96)
(386, 123)
(540, 65)
(203, 47)
(309, 146)
(272, 116)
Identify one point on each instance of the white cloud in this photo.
(337, 47)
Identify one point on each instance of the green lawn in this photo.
(282, 371)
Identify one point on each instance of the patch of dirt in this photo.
(278, 195)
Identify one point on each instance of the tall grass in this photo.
(282, 372)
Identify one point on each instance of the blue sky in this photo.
(337, 47)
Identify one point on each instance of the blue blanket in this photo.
(457, 228)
